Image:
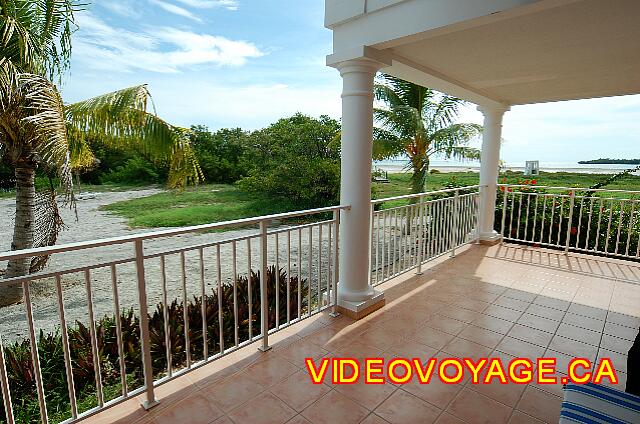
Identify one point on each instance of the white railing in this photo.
(431, 224)
(596, 221)
(226, 299)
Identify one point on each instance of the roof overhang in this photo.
(493, 52)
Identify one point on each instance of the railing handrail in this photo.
(426, 193)
(68, 247)
(572, 188)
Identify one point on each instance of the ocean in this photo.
(398, 165)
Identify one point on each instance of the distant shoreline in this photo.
(610, 162)
(399, 167)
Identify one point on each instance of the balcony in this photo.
(239, 355)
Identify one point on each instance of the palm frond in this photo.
(121, 119)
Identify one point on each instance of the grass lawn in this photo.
(196, 205)
(223, 202)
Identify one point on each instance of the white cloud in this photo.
(122, 9)
(211, 4)
(176, 10)
(155, 49)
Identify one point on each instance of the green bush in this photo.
(222, 154)
(20, 367)
(297, 159)
(136, 170)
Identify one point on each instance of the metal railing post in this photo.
(570, 221)
(420, 233)
(144, 328)
(264, 298)
(371, 215)
(336, 218)
(504, 213)
(6, 391)
(454, 229)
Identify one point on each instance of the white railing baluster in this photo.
(6, 390)
(420, 234)
(165, 311)
(288, 276)
(599, 224)
(299, 317)
(588, 238)
(570, 221)
(264, 299)
(456, 211)
(203, 306)
(336, 258)
(630, 228)
(234, 275)
(94, 338)
(606, 245)
(35, 357)
(277, 282)
(320, 267)
(185, 311)
(145, 340)
(621, 203)
(220, 292)
(249, 288)
(68, 367)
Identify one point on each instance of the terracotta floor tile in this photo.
(380, 338)
(615, 344)
(446, 324)
(298, 419)
(446, 418)
(127, 412)
(494, 324)
(462, 348)
(627, 333)
(545, 312)
(409, 348)
(234, 391)
(481, 336)
(474, 407)
(436, 392)
(507, 302)
(531, 335)
(579, 334)
(298, 391)
(271, 371)
(508, 394)
(472, 304)
(215, 371)
(263, 409)
(519, 348)
(541, 405)
(584, 322)
(431, 337)
(573, 347)
(402, 407)
(366, 395)
(334, 407)
(374, 419)
(196, 409)
(222, 420)
(503, 312)
(297, 352)
(521, 418)
(539, 323)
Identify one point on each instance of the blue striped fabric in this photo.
(596, 404)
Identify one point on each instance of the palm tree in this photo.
(419, 122)
(38, 130)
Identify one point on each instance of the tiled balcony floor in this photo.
(501, 301)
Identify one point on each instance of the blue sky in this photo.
(246, 63)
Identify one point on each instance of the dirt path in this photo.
(94, 223)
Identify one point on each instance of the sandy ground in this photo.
(93, 223)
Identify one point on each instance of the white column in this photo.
(490, 162)
(355, 185)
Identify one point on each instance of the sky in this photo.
(247, 63)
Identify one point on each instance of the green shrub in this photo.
(298, 159)
(221, 154)
(136, 170)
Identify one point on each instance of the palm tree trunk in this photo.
(420, 167)
(22, 233)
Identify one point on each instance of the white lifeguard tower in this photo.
(532, 167)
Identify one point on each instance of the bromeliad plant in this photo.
(20, 367)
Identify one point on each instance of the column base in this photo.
(490, 239)
(360, 309)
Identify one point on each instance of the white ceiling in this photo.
(582, 49)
